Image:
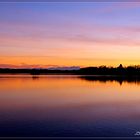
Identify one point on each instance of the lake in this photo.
(68, 106)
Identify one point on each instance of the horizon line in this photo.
(55, 67)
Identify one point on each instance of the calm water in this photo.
(68, 106)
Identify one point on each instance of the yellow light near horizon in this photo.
(62, 61)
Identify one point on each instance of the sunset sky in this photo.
(69, 34)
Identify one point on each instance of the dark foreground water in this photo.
(68, 106)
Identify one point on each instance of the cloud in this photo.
(65, 38)
(37, 37)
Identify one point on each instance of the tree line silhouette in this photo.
(101, 70)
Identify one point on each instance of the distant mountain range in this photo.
(49, 67)
(64, 68)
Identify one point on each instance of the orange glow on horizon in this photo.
(65, 52)
(43, 62)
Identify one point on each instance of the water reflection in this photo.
(119, 79)
(68, 106)
(35, 77)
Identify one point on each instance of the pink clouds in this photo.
(83, 32)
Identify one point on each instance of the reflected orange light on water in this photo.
(64, 90)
